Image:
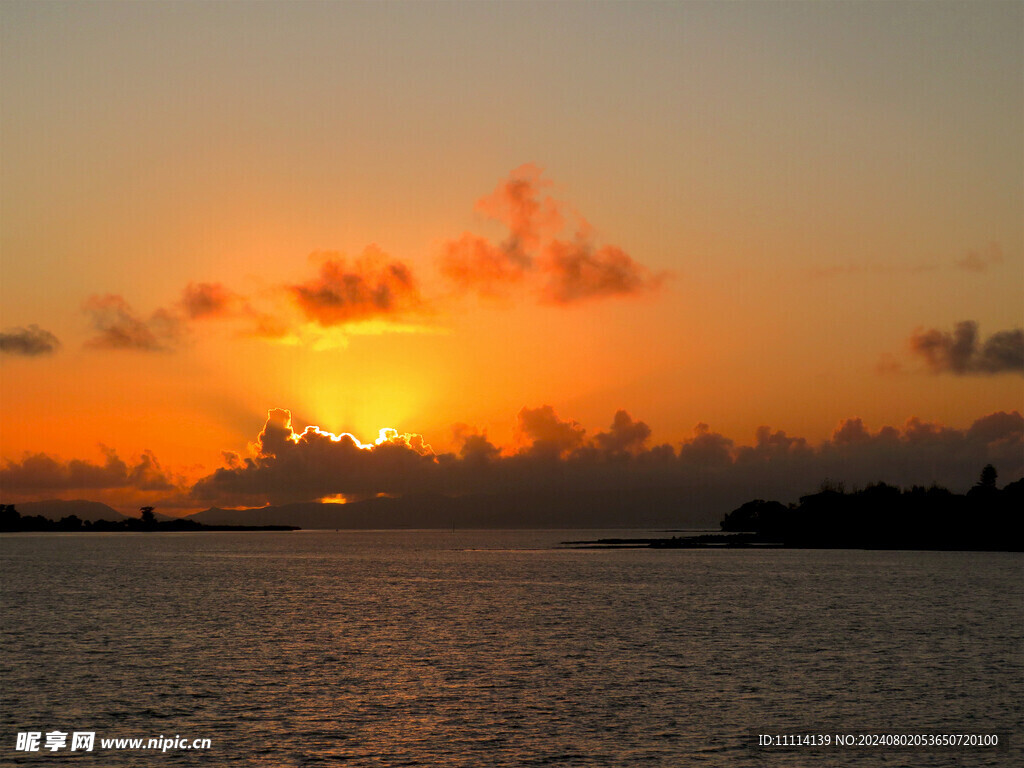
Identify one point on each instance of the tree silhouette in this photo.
(988, 478)
(9, 517)
(148, 518)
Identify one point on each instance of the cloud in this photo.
(961, 352)
(706, 448)
(372, 286)
(286, 465)
(548, 248)
(566, 270)
(546, 433)
(772, 446)
(475, 447)
(1001, 429)
(518, 203)
(976, 260)
(28, 342)
(625, 435)
(40, 472)
(707, 474)
(215, 301)
(201, 301)
(981, 259)
(577, 271)
(473, 262)
(118, 327)
(369, 295)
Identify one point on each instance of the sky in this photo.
(491, 228)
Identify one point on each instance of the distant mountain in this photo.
(587, 509)
(55, 509)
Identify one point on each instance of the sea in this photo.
(501, 648)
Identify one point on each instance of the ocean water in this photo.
(492, 648)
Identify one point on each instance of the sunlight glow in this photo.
(337, 498)
(312, 429)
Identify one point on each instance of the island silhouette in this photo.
(11, 520)
(878, 516)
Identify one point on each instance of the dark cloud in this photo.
(475, 447)
(577, 271)
(40, 472)
(997, 429)
(29, 342)
(706, 448)
(370, 287)
(567, 270)
(289, 465)
(118, 327)
(1003, 351)
(546, 433)
(624, 435)
(707, 472)
(554, 463)
(961, 352)
(201, 301)
(772, 446)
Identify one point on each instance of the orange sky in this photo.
(420, 216)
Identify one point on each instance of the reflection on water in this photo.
(487, 648)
